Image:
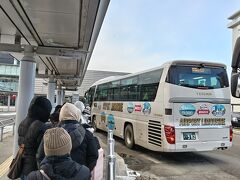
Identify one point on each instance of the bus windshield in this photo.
(198, 77)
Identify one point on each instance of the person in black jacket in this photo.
(54, 117)
(84, 150)
(31, 131)
(58, 165)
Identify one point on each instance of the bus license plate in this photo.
(189, 136)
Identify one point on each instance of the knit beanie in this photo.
(69, 112)
(57, 142)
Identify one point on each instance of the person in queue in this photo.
(85, 150)
(54, 117)
(31, 131)
(58, 165)
(84, 119)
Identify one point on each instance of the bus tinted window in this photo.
(148, 85)
(128, 92)
(89, 96)
(102, 92)
(116, 90)
(200, 78)
(142, 87)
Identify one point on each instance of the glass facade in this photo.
(9, 85)
(4, 99)
(9, 70)
(9, 77)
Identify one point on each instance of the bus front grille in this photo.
(154, 133)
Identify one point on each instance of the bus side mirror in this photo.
(235, 85)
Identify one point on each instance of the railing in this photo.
(4, 123)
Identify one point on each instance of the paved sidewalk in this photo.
(6, 150)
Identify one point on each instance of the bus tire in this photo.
(94, 124)
(129, 136)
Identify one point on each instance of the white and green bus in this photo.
(180, 106)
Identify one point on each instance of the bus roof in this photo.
(175, 62)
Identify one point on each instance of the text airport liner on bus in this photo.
(180, 106)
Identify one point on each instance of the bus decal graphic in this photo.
(130, 107)
(218, 110)
(117, 107)
(146, 108)
(106, 106)
(138, 108)
(187, 110)
(103, 117)
(203, 110)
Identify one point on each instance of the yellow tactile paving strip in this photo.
(5, 166)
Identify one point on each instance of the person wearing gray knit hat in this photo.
(58, 165)
(57, 142)
(84, 145)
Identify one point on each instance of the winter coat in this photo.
(31, 131)
(61, 168)
(84, 146)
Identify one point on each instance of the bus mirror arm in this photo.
(235, 85)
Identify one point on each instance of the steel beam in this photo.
(60, 77)
(45, 51)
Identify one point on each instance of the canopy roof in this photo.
(72, 24)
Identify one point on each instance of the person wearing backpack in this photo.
(57, 164)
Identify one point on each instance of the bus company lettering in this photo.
(213, 121)
(204, 93)
(106, 106)
(117, 107)
(190, 122)
(202, 121)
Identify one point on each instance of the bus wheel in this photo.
(129, 136)
(94, 124)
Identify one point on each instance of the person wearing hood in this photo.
(83, 119)
(58, 165)
(84, 150)
(31, 131)
(54, 117)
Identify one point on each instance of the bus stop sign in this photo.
(111, 122)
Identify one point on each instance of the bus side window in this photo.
(116, 90)
(96, 98)
(133, 93)
(148, 85)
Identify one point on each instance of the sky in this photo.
(141, 34)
